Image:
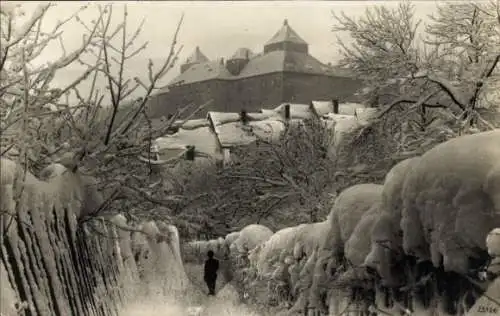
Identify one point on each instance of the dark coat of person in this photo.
(210, 274)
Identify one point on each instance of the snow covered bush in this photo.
(272, 250)
(387, 236)
(450, 204)
(347, 211)
(250, 237)
(451, 201)
(274, 183)
(493, 244)
(285, 262)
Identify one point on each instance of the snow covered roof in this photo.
(350, 108)
(232, 132)
(297, 110)
(364, 115)
(225, 129)
(219, 118)
(322, 107)
(202, 138)
(192, 124)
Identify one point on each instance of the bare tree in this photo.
(106, 133)
(277, 183)
(452, 65)
(430, 81)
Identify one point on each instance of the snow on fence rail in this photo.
(53, 264)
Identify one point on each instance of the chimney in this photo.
(335, 103)
(287, 111)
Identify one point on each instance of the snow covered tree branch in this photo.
(104, 131)
(269, 180)
(455, 54)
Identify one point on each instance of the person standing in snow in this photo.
(211, 268)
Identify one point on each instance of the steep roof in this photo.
(197, 57)
(271, 61)
(286, 34)
(201, 72)
(279, 61)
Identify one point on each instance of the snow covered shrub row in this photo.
(54, 263)
(435, 213)
(401, 245)
(345, 245)
(429, 220)
(234, 244)
(451, 201)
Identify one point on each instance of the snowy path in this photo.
(224, 304)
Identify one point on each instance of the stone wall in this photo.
(302, 88)
(254, 93)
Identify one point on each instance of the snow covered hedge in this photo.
(390, 246)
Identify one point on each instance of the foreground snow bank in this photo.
(451, 201)
(52, 264)
(226, 303)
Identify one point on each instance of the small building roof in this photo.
(202, 138)
(322, 107)
(286, 34)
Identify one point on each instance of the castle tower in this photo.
(286, 39)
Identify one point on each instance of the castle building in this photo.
(283, 72)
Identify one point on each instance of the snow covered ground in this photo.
(224, 304)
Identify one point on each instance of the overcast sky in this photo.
(219, 28)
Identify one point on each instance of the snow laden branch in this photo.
(117, 133)
(384, 44)
(98, 124)
(27, 96)
(452, 64)
(272, 176)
